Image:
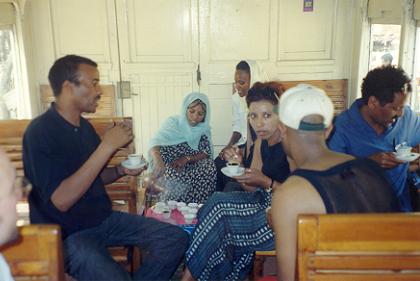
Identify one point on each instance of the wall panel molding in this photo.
(237, 29)
(79, 30)
(166, 35)
(307, 36)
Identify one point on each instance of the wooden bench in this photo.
(336, 89)
(259, 260)
(36, 254)
(359, 247)
(123, 192)
(106, 105)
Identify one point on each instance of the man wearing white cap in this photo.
(325, 181)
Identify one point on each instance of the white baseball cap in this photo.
(304, 100)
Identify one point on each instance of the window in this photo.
(14, 94)
(387, 17)
(8, 74)
(384, 45)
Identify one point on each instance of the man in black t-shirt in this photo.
(65, 160)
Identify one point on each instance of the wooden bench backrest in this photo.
(11, 134)
(335, 89)
(36, 254)
(368, 247)
(106, 105)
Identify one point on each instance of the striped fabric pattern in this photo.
(232, 226)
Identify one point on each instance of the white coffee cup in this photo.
(160, 204)
(404, 151)
(184, 210)
(166, 213)
(192, 211)
(172, 204)
(233, 167)
(134, 159)
(158, 210)
(179, 205)
(193, 205)
(189, 218)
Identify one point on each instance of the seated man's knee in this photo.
(82, 249)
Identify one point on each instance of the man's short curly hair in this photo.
(66, 68)
(383, 82)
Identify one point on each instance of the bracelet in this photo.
(270, 188)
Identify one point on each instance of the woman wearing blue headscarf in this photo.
(181, 153)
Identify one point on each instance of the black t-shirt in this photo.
(53, 150)
(275, 164)
(355, 186)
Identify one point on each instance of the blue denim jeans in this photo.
(162, 246)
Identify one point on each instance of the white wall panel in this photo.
(237, 29)
(306, 35)
(83, 27)
(159, 30)
(221, 113)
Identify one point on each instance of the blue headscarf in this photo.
(176, 129)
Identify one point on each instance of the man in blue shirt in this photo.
(376, 123)
(65, 160)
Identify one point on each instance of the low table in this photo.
(176, 218)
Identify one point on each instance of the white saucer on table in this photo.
(409, 157)
(126, 164)
(226, 172)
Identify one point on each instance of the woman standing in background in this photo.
(247, 72)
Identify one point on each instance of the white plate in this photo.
(126, 164)
(226, 172)
(408, 158)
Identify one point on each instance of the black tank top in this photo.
(355, 186)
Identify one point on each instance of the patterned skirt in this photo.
(232, 226)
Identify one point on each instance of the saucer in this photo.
(226, 172)
(126, 164)
(409, 157)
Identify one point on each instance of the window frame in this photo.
(24, 106)
(408, 37)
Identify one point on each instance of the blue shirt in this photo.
(53, 150)
(354, 136)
